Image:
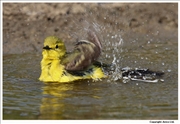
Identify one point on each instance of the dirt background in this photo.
(25, 25)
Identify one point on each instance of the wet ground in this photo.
(152, 46)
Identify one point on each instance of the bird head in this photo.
(54, 48)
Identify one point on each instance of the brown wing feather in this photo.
(84, 54)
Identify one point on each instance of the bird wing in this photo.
(84, 53)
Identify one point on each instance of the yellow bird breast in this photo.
(55, 72)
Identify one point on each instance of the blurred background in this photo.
(25, 25)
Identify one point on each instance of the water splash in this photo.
(117, 73)
(112, 43)
(112, 53)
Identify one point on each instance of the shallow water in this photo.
(24, 97)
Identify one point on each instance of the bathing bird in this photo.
(58, 65)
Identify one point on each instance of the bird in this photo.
(58, 65)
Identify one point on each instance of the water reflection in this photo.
(52, 103)
(63, 101)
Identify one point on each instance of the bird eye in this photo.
(56, 46)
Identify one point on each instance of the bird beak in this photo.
(47, 48)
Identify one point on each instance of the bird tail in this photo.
(145, 75)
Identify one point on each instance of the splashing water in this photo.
(112, 43)
(112, 52)
(117, 73)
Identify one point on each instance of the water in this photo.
(24, 97)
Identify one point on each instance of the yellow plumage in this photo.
(59, 66)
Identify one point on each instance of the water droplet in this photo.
(157, 32)
(169, 70)
(166, 48)
(162, 80)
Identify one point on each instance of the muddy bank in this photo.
(25, 25)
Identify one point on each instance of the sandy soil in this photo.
(25, 25)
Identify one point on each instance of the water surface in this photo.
(24, 97)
